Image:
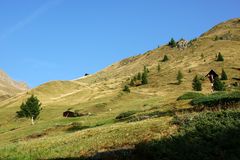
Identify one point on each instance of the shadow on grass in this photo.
(212, 136)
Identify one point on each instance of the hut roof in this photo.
(212, 72)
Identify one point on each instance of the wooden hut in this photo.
(68, 114)
(212, 75)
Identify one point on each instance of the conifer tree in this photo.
(144, 78)
(224, 75)
(131, 82)
(220, 57)
(218, 85)
(165, 58)
(31, 109)
(172, 43)
(197, 84)
(135, 78)
(139, 76)
(126, 89)
(179, 77)
(158, 68)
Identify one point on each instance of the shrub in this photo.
(190, 95)
(125, 115)
(221, 99)
(196, 84)
(208, 136)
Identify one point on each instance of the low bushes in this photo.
(190, 95)
(221, 99)
(125, 115)
(208, 136)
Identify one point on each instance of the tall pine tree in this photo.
(31, 109)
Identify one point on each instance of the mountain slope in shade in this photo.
(9, 87)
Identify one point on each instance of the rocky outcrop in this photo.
(182, 44)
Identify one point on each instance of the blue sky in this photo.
(43, 40)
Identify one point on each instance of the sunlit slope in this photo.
(100, 96)
(198, 58)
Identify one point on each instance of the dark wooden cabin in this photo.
(68, 114)
(212, 75)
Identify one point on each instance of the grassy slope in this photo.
(89, 93)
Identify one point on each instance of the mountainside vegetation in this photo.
(156, 105)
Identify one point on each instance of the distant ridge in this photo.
(10, 87)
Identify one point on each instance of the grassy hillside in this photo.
(100, 97)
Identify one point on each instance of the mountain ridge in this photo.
(10, 87)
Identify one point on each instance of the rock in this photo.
(182, 44)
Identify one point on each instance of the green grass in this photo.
(211, 135)
(100, 95)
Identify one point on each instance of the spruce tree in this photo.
(224, 75)
(145, 69)
(135, 78)
(131, 82)
(126, 89)
(197, 84)
(139, 76)
(179, 77)
(158, 68)
(172, 43)
(144, 78)
(165, 58)
(220, 57)
(31, 109)
(218, 85)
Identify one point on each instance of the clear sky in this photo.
(43, 40)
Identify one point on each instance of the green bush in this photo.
(208, 136)
(190, 95)
(125, 115)
(221, 99)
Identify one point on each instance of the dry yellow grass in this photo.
(89, 93)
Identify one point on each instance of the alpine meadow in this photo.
(178, 101)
